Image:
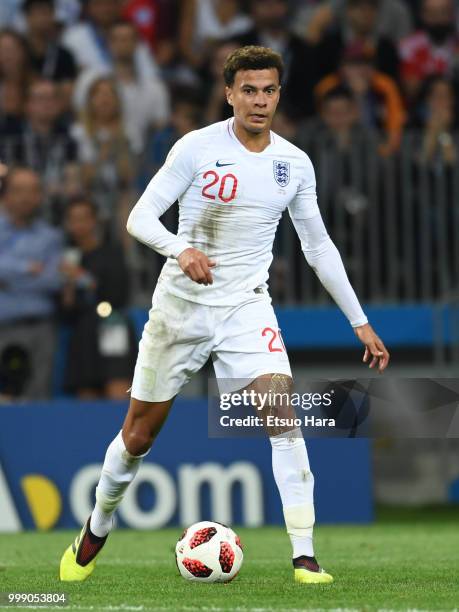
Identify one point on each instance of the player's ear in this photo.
(229, 95)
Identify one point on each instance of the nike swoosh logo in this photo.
(220, 165)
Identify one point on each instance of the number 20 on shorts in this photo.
(225, 187)
(276, 344)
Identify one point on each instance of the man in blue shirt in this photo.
(30, 256)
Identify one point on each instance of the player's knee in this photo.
(138, 440)
(274, 395)
(274, 390)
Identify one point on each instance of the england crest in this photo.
(281, 172)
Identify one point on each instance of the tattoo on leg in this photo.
(276, 389)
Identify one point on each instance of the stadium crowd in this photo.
(93, 93)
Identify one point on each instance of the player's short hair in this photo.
(83, 200)
(339, 92)
(29, 4)
(123, 23)
(251, 58)
(372, 3)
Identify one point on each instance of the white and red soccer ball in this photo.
(209, 552)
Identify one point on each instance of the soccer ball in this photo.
(209, 552)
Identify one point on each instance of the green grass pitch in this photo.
(404, 561)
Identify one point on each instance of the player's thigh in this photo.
(249, 346)
(175, 344)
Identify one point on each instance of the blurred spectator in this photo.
(337, 124)
(285, 125)
(185, 116)
(343, 151)
(67, 11)
(44, 144)
(433, 49)
(312, 20)
(145, 98)
(11, 16)
(48, 58)
(102, 345)
(439, 137)
(30, 252)
(14, 80)
(156, 23)
(378, 99)
(106, 155)
(204, 22)
(9, 13)
(217, 108)
(359, 27)
(88, 40)
(15, 71)
(145, 101)
(11, 110)
(271, 29)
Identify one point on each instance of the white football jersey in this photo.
(231, 200)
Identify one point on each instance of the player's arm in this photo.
(169, 183)
(323, 256)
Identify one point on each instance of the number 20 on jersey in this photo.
(224, 188)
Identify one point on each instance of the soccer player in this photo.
(233, 180)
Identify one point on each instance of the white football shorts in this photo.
(180, 335)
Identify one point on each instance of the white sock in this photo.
(301, 546)
(118, 471)
(295, 482)
(101, 522)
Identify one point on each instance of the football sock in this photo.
(89, 547)
(295, 482)
(309, 563)
(302, 545)
(118, 471)
(101, 522)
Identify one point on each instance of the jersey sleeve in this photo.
(304, 205)
(324, 258)
(177, 173)
(168, 184)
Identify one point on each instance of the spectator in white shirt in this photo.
(145, 101)
(88, 40)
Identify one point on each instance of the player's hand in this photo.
(196, 265)
(374, 347)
